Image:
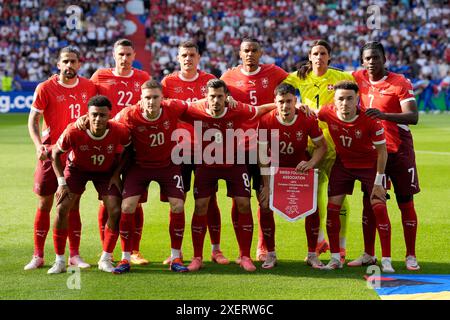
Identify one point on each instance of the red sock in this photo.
(409, 221)
(214, 221)
(369, 227)
(234, 219)
(245, 224)
(126, 229)
(41, 227)
(333, 226)
(110, 240)
(261, 241)
(267, 226)
(312, 225)
(383, 227)
(176, 229)
(198, 230)
(59, 240)
(74, 233)
(139, 224)
(102, 219)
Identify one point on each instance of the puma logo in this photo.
(73, 96)
(97, 148)
(190, 89)
(124, 83)
(252, 82)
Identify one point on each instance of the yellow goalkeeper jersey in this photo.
(318, 91)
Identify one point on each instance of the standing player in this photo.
(315, 81)
(122, 85)
(389, 97)
(361, 155)
(92, 157)
(152, 122)
(189, 84)
(220, 120)
(254, 83)
(292, 129)
(60, 100)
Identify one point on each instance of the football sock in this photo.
(261, 241)
(267, 223)
(41, 228)
(59, 240)
(234, 219)
(126, 230)
(369, 227)
(245, 224)
(409, 221)
(322, 202)
(343, 217)
(214, 220)
(110, 240)
(333, 226)
(198, 230)
(74, 232)
(102, 219)
(138, 225)
(312, 223)
(383, 227)
(176, 229)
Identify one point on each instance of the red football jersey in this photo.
(61, 104)
(215, 128)
(255, 88)
(90, 153)
(175, 86)
(386, 95)
(121, 91)
(152, 139)
(355, 139)
(292, 137)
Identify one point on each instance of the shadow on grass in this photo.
(291, 268)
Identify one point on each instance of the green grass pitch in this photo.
(292, 279)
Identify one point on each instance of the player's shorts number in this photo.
(125, 98)
(157, 139)
(286, 148)
(179, 182)
(74, 111)
(97, 159)
(411, 170)
(246, 180)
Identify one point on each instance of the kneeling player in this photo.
(361, 155)
(292, 128)
(92, 158)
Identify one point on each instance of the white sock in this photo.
(342, 242)
(60, 258)
(126, 256)
(175, 253)
(106, 256)
(215, 247)
(272, 253)
(336, 256)
(321, 236)
(386, 259)
(312, 254)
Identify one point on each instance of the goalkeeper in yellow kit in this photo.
(315, 81)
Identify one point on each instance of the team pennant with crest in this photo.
(293, 195)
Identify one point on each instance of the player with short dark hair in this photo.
(360, 155)
(291, 128)
(254, 83)
(92, 157)
(189, 84)
(221, 162)
(122, 85)
(389, 97)
(60, 100)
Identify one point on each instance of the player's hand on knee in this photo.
(378, 193)
(42, 153)
(61, 193)
(116, 181)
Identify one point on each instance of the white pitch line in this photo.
(433, 153)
